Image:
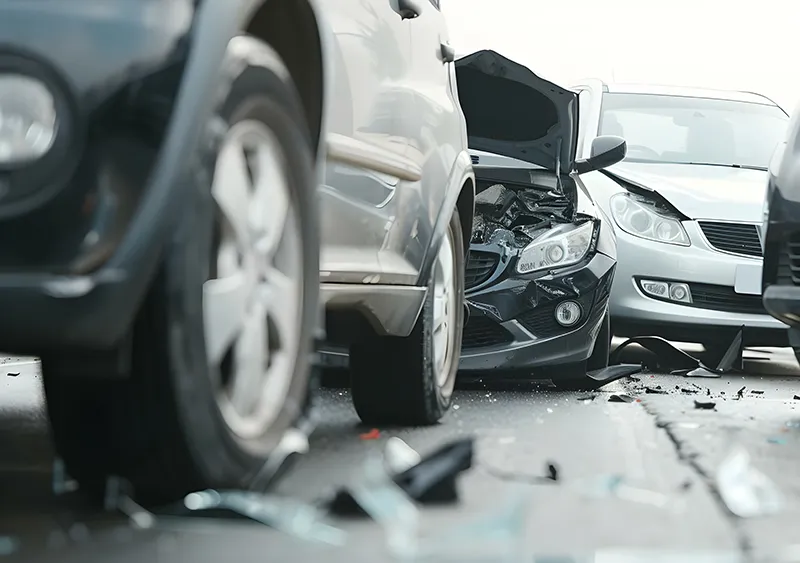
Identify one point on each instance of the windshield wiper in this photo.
(743, 166)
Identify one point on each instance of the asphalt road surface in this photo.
(670, 501)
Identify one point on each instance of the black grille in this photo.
(474, 158)
(480, 331)
(480, 268)
(724, 298)
(737, 238)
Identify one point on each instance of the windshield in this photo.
(678, 129)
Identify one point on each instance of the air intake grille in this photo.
(480, 268)
(736, 238)
(480, 332)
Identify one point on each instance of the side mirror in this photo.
(606, 151)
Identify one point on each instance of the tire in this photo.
(165, 428)
(394, 380)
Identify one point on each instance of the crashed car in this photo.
(542, 254)
(686, 203)
(781, 228)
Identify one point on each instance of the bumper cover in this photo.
(512, 325)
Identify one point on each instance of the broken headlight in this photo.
(563, 245)
(638, 216)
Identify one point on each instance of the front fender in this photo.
(460, 173)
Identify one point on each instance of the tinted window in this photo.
(678, 129)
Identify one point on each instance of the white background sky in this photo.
(733, 44)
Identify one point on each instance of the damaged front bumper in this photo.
(530, 306)
(512, 324)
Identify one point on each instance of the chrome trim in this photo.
(391, 310)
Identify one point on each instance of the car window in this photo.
(681, 129)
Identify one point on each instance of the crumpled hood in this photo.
(701, 192)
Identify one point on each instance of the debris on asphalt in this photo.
(549, 477)
(373, 434)
(777, 440)
(399, 456)
(755, 392)
(13, 374)
(740, 393)
(294, 443)
(603, 486)
(703, 372)
(613, 373)
(745, 490)
(657, 390)
(797, 397)
(62, 483)
(678, 362)
(303, 521)
(621, 398)
(431, 481)
(793, 424)
(117, 498)
(705, 405)
(8, 545)
(667, 355)
(587, 398)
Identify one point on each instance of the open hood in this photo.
(512, 112)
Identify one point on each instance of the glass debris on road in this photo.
(745, 490)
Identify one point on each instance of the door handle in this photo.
(448, 53)
(408, 9)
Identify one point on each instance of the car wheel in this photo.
(410, 381)
(222, 345)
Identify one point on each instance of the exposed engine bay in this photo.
(514, 207)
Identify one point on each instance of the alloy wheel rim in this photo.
(252, 305)
(444, 312)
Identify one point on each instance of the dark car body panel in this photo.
(512, 324)
(158, 63)
(781, 277)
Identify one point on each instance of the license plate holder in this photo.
(748, 279)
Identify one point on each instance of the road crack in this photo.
(690, 459)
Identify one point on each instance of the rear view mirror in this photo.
(606, 151)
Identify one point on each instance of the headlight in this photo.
(28, 121)
(638, 217)
(563, 245)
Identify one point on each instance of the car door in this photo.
(371, 59)
(436, 130)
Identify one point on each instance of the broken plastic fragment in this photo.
(705, 405)
(745, 490)
(399, 456)
(703, 372)
(293, 443)
(300, 520)
(621, 398)
(613, 373)
(373, 434)
(669, 357)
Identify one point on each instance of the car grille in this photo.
(480, 268)
(736, 238)
(724, 298)
(481, 331)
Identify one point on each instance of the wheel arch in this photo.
(465, 204)
(294, 29)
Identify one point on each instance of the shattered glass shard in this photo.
(746, 491)
(303, 521)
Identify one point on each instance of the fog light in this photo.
(28, 121)
(568, 313)
(680, 292)
(671, 291)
